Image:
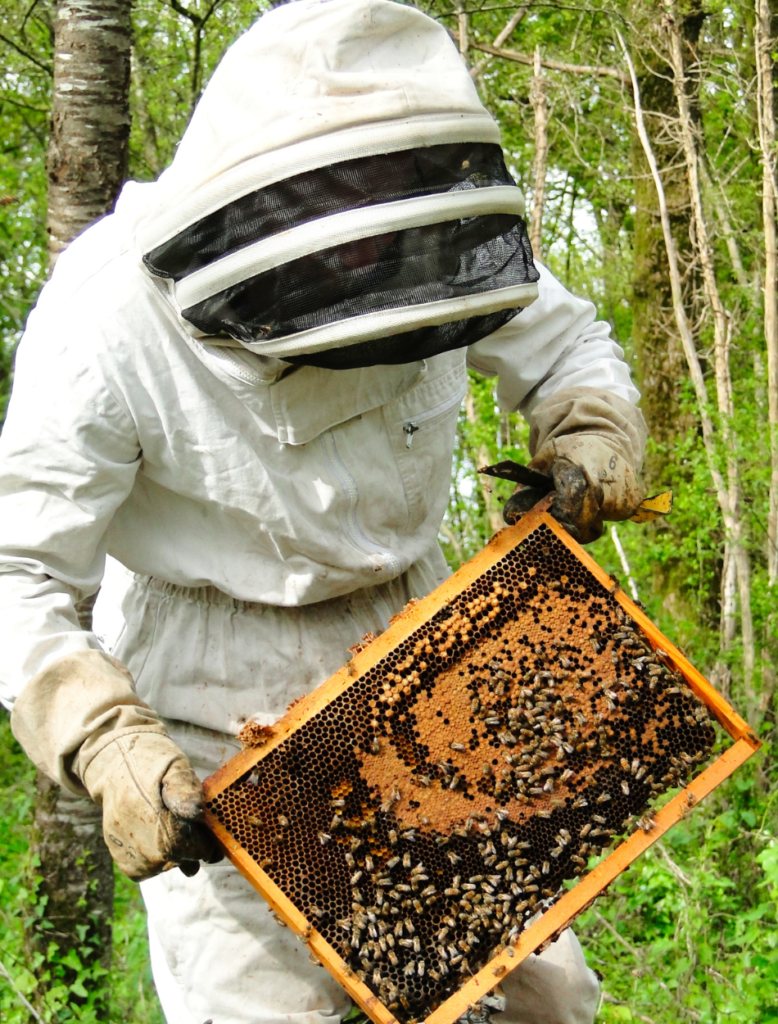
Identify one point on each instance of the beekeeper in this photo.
(243, 386)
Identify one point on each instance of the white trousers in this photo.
(206, 662)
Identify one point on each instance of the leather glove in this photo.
(591, 443)
(82, 723)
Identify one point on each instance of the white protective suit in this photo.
(266, 519)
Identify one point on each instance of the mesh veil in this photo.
(446, 260)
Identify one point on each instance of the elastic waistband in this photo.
(213, 597)
(209, 594)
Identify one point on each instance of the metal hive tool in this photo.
(413, 814)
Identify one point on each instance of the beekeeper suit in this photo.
(243, 385)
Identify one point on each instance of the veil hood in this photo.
(288, 156)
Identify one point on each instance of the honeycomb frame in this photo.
(303, 917)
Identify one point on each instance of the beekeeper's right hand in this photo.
(82, 723)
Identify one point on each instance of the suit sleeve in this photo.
(553, 344)
(69, 453)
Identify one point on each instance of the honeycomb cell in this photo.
(446, 795)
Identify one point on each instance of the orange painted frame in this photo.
(577, 899)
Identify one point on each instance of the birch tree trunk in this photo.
(763, 44)
(540, 108)
(462, 25)
(494, 519)
(90, 117)
(87, 159)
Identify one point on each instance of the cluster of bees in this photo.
(444, 797)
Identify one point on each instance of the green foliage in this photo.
(130, 992)
(25, 95)
(174, 55)
(690, 931)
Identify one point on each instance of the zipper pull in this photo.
(409, 429)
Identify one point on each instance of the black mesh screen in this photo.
(443, 261)
(423, 343)
(405, 268)
(344, 186)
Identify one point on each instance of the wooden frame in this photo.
(578, 898)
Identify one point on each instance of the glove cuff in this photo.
(75, 707)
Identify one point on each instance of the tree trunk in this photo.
(721, 676)
(87, 159)
(540, 108)
(721, 332)
(767, 135)
(90, 116)
(75, 876)
(661, 361)
(463, 40)
(494, 519)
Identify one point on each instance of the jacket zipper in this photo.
(411, 426)
(351, 491)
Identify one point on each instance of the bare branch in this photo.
(19, 995)
(28, 56)
(675, 870)
(624, 563)
(192, 16)
(630, 949)
(512, 24)
(722, 215)
(598, 71)
(22, 106)
(501, 37)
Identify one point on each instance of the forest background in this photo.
(662, 212)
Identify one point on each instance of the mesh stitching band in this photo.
(349, 226)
